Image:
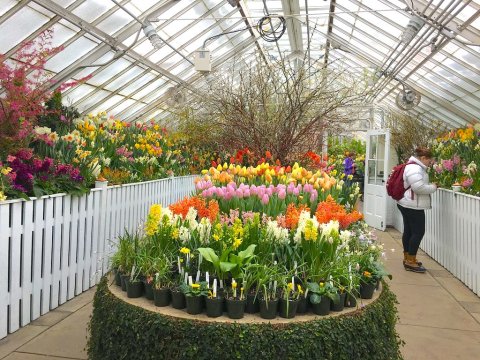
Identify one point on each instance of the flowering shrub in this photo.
(27, 175)
(457, 155)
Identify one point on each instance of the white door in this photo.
(376, 174)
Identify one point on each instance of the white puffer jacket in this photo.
(415, 176)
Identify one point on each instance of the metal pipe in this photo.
(147, 23)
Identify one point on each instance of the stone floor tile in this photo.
(51, 318)
(26, 356)
(18, 338)
(72, 331)
(401, 276)
(471, 307)
(458, 290)
(430, 343)
(440, 273)
(432, 306)
(476, 316)
(78, 301)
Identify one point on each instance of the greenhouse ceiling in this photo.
(138, 52)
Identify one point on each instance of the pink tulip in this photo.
(246, 193)
(296, 191)
(265, 199)
(282, 194)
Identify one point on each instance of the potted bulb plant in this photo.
(321, 295)
(236, 302)
(194, 295)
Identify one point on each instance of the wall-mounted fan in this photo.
(407, 98)
(175, 96)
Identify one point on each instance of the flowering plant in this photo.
(457, 156)
(195, 289)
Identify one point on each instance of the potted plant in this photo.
(268, 277)
(194, 296)
(289, 300)
(252, 305)
(162, 281)
(214, 303)
(338, 303)
(367, 285)
(134, 284)
(236, 302)
(321, 294)
(124, 258)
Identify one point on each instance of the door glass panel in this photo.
(372, 171)
(373, 147)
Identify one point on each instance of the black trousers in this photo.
(413, 229)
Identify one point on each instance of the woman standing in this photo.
(413, 204)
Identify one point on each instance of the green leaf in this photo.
(209, 255)
(248, 252)
(227, 266)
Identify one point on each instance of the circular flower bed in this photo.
(122, 330)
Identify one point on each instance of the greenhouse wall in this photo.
(55, 247)
(452, 235)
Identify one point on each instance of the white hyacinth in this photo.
(204, 230)
(183, 234)
(276, 233)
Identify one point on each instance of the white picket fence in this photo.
(55, 247)
(452, 235)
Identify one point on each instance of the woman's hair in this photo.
(423, 151)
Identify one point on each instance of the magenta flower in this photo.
(467, 183)
(448, 165)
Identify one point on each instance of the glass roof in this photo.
(130, 77)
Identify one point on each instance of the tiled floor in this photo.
(439, 317)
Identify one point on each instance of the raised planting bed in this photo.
(129, 328)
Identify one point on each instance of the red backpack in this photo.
(395, 187)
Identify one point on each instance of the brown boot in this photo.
(405, 254)
(411, 264)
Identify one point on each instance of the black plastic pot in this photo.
(235, 308)
(148, 287)
(350, 300)
(178, 299)
(194, 304)
(323, 307)
(287, 309)
(134, 288)
(253, 305)
(118, 278)
(214, 307)
(268, 309)
(123, 281)
(366, 290)
(339, 304)
(162, 297)
(302, 306)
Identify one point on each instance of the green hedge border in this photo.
(119, 330)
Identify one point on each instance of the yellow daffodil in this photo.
(185, 250)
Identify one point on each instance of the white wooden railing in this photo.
(452, 235)
(55, 247)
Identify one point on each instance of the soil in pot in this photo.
(235, 308)
(214, 306)
(162, 296)
(287, 309)
(268, 309)
(178, 299)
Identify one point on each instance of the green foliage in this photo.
(119, 330)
